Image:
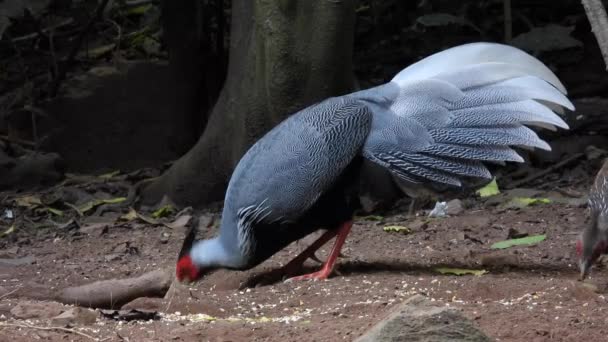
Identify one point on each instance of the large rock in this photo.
(37, 310)
(30, 170)
(114, 118)
(419, 320)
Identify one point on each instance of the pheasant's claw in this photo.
(319, 275)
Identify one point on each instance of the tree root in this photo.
(114, 293)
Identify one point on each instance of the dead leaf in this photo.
(147, 219)
(397, 229)
(93, 204)
(163, 211)
(130, 216)
(28, 201)
(133, 214)
(109, 174)
(460, 271)
(8, 231)
(180, 222)
(66, 224)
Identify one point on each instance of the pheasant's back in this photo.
(598, 195)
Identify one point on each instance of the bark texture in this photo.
(596, 13)
(284, 56)
(182, 32)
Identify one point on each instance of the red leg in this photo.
(296, 263)
(328, 267)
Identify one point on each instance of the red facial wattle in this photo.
(579, 248)
(186, 270)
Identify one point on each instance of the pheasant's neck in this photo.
(212, 253)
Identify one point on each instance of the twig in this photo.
(596, 13)
(545, 171)
(48, 328)
(77, 44)
(136, 3)
(9, 293)
(18, 141)
(48, 29)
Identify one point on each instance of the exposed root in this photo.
(114, 293)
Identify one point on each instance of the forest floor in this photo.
(529, 293)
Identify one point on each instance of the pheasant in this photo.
(434, 124)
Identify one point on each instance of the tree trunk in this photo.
(183, 36)
(284, 55)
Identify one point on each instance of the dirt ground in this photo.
(530, 293)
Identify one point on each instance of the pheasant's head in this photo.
(187, 269)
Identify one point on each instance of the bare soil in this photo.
(530, 293)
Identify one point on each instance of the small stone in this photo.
(145, 304)
(164, 238)
(37, 310)
(95, 229)
(75, 315)
(455, 207)
(478, 221)
(112, 257)
(515, 234)
(418, 225)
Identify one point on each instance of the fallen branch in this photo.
(44, 31)
(545, 171)
(27, 326)
(114, 293)
(596, 13)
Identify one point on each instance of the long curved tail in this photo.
(439, 119)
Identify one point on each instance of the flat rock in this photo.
(95, 229)
(75, 315)
(418, 225)
(146, 304)
(28, 260)
(38, 310)
(420, 320)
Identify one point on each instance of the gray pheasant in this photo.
(434, 124)
(593, 242)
